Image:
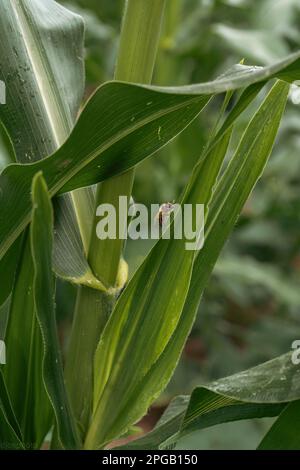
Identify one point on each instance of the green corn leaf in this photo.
(41, 230)
(227, 202)
(128, 122)
(24, 347)
(165, 275)
(138, 120)
(262, 391)
(43, 100)
(42, 97)
(235, 186)
(10, 434)
(228, 199)
(70, 261)
(285, 432)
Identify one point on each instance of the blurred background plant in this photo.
(250, 311)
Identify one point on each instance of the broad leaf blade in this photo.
(43, 97)
(37, 37)
(262, 391)
(285, 432)
(138, 120)
(41, 230)
(227, 202)
(229, 197)
(165, 275)
(24, 347)
(236, 184)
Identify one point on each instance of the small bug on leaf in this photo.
(164, 212)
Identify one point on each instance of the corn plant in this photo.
(127, 336)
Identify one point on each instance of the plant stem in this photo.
(167, 71)
(137, 52)
(135, 63)
(91, 313)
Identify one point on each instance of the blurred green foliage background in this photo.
(250, 311)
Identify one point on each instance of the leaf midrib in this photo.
(37, 61)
